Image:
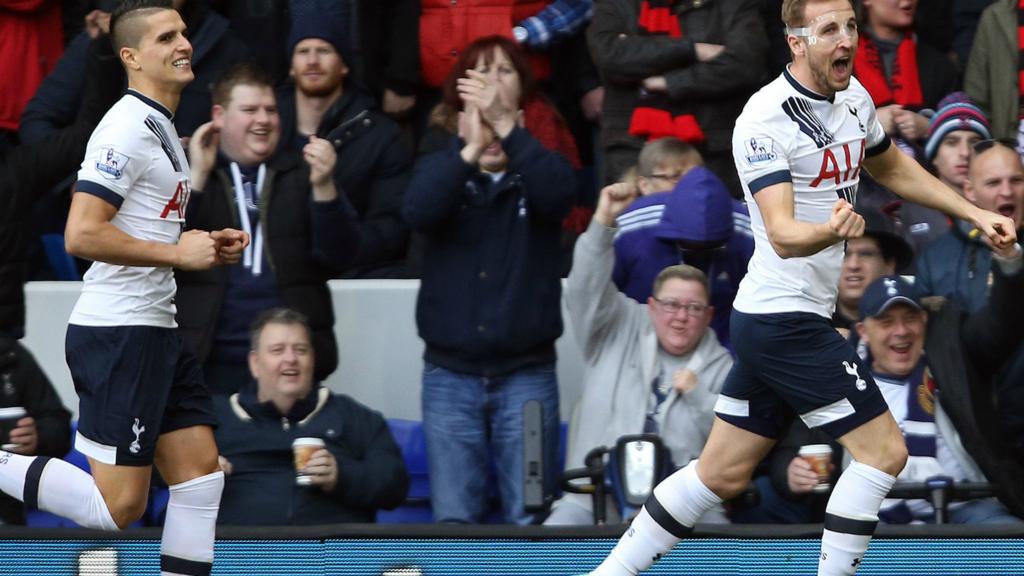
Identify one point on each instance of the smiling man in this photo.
(799, 147)
(373, 161)
(893, 327)
(358, 471)
(304, 231)
(651, 367)
(141, 398)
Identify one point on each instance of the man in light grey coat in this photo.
(653, 367)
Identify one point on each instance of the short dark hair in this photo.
(280, 315)
(241, 74)
(125, 30)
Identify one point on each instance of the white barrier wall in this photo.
(380, 354)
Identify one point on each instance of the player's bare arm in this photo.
(904, 176)
(793, 238)
(91, 235)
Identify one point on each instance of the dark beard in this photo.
(318, 92)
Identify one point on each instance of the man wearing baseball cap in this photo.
(930, 395)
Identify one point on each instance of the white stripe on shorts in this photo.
(827, 414)
(95, 450)
(919, 428)
(732, 406)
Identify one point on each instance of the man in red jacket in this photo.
(31, 41)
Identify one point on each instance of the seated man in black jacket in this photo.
(360, 469)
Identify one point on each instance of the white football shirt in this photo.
(134, 161)
(788, 133)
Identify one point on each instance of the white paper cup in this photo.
(819, 456)
(9, 421)
(302, 450)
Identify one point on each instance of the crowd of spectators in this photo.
(490, 148)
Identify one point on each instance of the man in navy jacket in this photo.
(490, 206)
(359, 470)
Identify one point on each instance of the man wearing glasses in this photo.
(653, 367)
(799, 147)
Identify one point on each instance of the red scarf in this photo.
(549, 128)
(655, 116)
(904, 87)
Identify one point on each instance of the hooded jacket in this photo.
(256, 438)
(698, 211)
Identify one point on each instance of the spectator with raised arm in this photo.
(654, 367)
(691, 220)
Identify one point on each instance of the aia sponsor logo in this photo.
(838, 173)
(179, 201)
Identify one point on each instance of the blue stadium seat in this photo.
(63, 265)
(408, 434)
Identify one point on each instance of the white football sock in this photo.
(851, 517)
(55, 486)
(186, 548)
(666, 518)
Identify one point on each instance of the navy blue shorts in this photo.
(795, 364)
(134, 383)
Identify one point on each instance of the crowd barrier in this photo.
(380, 353)
(433, 550)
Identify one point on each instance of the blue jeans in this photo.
(470, 421)
(987, 511)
